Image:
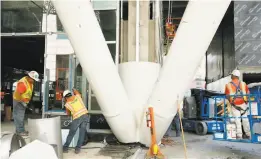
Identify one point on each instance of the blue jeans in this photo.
(18, 115)
(80, 123)
(177, 125)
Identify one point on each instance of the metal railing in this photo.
(253, 110)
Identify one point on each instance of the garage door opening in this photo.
(20, 54)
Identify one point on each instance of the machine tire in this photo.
(201, 128)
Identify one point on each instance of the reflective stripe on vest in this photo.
(27, 94)
(76, 107)
(234, 93)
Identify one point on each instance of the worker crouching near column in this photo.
(235, 91)
(21, 98)
(75, 106)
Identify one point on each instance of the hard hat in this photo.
(34, 75)
(66, 92)
(236, 73)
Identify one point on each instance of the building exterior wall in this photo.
(247, 21)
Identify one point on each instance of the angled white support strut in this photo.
(198, 26)
(84, 32)
(196, 30)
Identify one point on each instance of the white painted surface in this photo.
(94, 56)
(196, 30)
(137, 31)
(139, 78)
(219, 85)
(33, 150)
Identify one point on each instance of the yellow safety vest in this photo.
(234, 92)
(77, 107)
(27, 94)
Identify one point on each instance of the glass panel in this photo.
(108, 23)
(21, 16)
(59, 25)
(62, 76)
(112, 48)
(81, 83)
(104, 5)
(94, 104)
(107, 20)
(78, 78)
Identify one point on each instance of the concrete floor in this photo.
(198, 147)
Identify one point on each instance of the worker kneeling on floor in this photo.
(75, 106)
(235, 91)
(21, 98)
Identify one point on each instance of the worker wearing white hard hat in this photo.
(236, 92)
(21, 97)
(75, 107)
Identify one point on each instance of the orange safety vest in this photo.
(238, 92)
(77, 107)
(27, 94)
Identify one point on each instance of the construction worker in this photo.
(75, 106)
(235, 91)
(21, 98)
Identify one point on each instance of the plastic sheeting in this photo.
(221, 52)
(228, 41)
(247, 23)
(214, 57)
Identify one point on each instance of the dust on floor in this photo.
(198, 147)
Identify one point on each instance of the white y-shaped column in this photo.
(80, 23)
(196, 30)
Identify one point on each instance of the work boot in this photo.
(65, 149)
(247, 137)
(77, 150)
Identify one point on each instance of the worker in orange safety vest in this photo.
(75, 106)
(21, 98)
(235, 91)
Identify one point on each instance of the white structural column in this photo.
(144, 30)
(131, 30)
(83, 29)
(197, 28)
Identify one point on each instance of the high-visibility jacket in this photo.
(237, 92)
(27, 95)
(76, 107)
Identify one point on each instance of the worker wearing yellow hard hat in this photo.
(75, 106)
(21, 97)
(236, 91)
